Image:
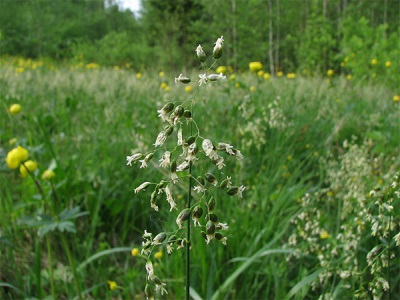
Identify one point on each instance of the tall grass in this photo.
(84, 122)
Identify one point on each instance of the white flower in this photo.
(174, 177)
(180, 137)
(159, 285)
(222, 226)
(215, 77)
(149, 269)
(183, 166)
(133, 158)
(203, 79)
(226, 147)
(161, 138)
(170, 199)
(165, 160)
(220, 163)
(144, 163)
(240, 191)
(200, 53)
(220, 41)
(182, 79)
(238, 154)
(142, 187)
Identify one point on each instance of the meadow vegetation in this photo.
(319, 217)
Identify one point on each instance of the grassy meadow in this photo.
(319, 218)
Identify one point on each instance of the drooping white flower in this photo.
(165, 160)
(180, 137)
(142, 187)
(133, 158)
(182, 79)
(215, 77)
(170, 199)
(201, 55)
(226, 147)
(149, 269)
(220, 162)
(161, 138)
(183, 166)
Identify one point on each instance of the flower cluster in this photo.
(188, 149)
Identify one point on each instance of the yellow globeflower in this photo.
(30, 165)
(374, 61)
(232, 77)
(260, 73)
(279, 74)
(221, 69)
(237, 85)
(112, 284)
(163, 85)
(188, 89)
(291, 75)
(135, 252)
(15, 109)
(255, 66)
(139, 75)
(330, 72)
(161, 74)
(158, 254)
(16, 156)
(324, 234)
(396, 98)
(349, 77)
(266, 76)
(252, 88)
(388, 64)
(48, 175)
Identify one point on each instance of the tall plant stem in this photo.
(50, 257)
(188, 244)
(71, 264)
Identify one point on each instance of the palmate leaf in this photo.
(60, 223)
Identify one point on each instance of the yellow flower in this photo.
(396, 98)
(266, 76)
(232, 77)
(188, 89)
(237, 85)
(260, 73)
(161, 74)
(92, 66)
(117, 68)
(15, 109)
(167, 88)
(163, 85)
(349, 77)
(330, 72)
(221, 69)
(16, 156)
(20, 70)
(342, 64)
(324, 234)
(112, 284)
(279, 74)
(30, 165)
(48, 175)
(373, 75)
(255, 66)
(252, 88)
(388, 64)
(139, 75)
(374, 61)
(291, 75)
(135, 252)
(158, 254)
(329, 194)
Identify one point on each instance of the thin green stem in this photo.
(50, 257)
(188, 245)
(72, 265)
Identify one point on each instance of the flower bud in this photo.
(225, 183)
(159, 238)
(210, 228)
(183, 216)
(217, 52)
(149, 292)
(233, 191)
(172, 166)
(197, 212)
(169, 130)
(201, 180)
(179, 110)
(182, 79)
(190, 140)
(211, 204)
(167, 108)
(187, 114)
(213, 218)
(201, 55)
(211, 178)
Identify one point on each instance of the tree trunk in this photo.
(271, 36)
